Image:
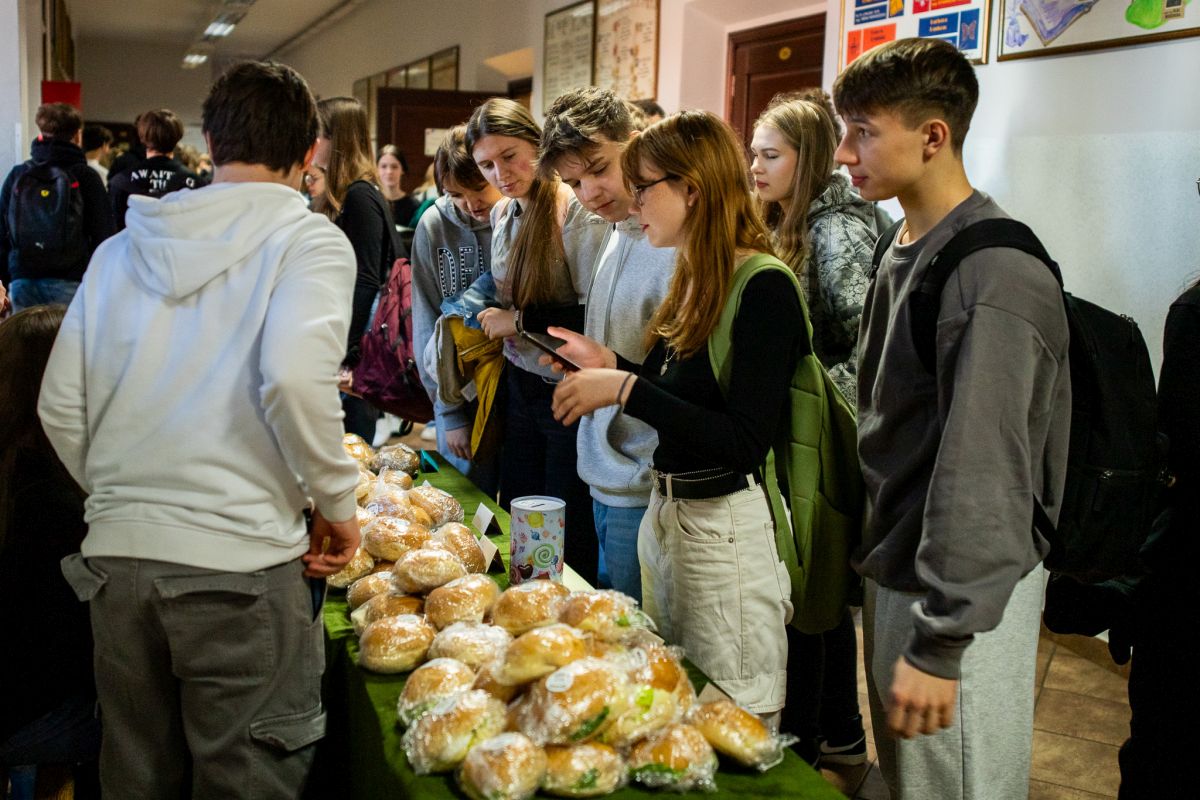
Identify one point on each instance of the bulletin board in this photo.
(567, 51)
(627, 48)
(870, 23)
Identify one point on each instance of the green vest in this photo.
(819, 468)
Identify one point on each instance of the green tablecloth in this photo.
(361, 754)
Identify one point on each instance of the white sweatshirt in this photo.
(192, 390)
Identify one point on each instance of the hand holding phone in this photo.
(549, 345)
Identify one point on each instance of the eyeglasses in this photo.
(310, 179)
(638, 189)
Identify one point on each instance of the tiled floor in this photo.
(1081, 718)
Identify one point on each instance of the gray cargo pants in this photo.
(209, 682)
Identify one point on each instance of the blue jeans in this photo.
(617, 530)
(28, 292)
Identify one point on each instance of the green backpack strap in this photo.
(817, 461)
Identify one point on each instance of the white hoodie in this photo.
(192, 389)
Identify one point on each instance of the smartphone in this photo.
(549, 345)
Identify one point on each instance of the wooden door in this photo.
(784, 57)
(404, 115)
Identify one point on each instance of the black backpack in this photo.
(1115, 461)
(45, 221)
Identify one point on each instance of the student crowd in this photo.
(186, 405)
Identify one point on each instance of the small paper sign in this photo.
(711, 693)
(484, 521)
(491, 554)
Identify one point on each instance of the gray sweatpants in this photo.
(985, 754)
(209, 682)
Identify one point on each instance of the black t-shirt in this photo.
(403, 209)
(154, 177)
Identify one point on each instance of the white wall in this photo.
(20, 78)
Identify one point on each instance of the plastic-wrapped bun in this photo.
(420, 571)
(505, 767)
(388, 538)
(397, 456)
(391, 604)
(735, 732)
(357, 448)
(589, 769)
(572, 704)
(485, 679)
(647, 710)
(362, 489)
(363, 516)
(458, 539)
(473, 643)
(441, 739)
(368, 586)
(528, 605)
(465, 599)
(677, 757)
(440, 506)
(388, 501)
(360, 564)
(430, 684)
(659, 667)
(539, 652)
(396, 478)
(395, 644)
(608, 614)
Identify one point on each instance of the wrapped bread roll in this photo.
(362, 490)
(441, 739)
(360, 564)
(608, 614)
(395, 644)
(396, 478)
(505, 767)
(441, 506)
(388, 538)
(677, 757)
(368, 586)
(397, 456)
(660, 667)
(465, 599)
(388, 501)
(357, 448)
(539, 652)
(735, 732)
(472, 643)
(485, 679)
(589, 769)
(646, 711)
(430, 684)
(363, 516)
(420, 571)
(382, 565)
(529, 605)
(458, 539)
(391, 604)
(572, 704)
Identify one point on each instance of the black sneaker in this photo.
(850, 752)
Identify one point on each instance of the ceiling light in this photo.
(219, 29)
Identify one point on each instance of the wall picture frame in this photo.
(1031, 28)
(626, 48)
(567, 50)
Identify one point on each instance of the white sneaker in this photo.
(429, 433)
(383, 431)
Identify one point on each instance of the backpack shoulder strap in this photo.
(926, 299)
(882, 244)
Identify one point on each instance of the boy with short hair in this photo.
(953, 462)
(159, 131)
(583, 138)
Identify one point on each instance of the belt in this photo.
(702, 484)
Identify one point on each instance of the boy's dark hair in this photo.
(576, 120)
(914, 78)
(58, 121)
(95, 137)
(649, 108)
(260, 112)
(159, 130)
(453, 160)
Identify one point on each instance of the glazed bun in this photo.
(465, 599)
(677, 757)
(505, 767)
(360, 564)
(368, 586)
(473, 643)
(572, 704)
(485, 679)
(357, 448)
(541, 651)
(440, 506)
(735, 732)
(398, 457)
(430, 684)
(458, 539)
(528, 605)
(441, 739)
(388, 538)
(395, 644)
(590, 769)
(396, 478)
(391, 604)
(606, 613)
(420, 571)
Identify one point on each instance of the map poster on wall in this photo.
(1038, 27)
(870, 23)
(567, 51)
(627, 47)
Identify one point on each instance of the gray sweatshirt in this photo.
(952, 465)
(629, 283)
(582, 234)
(449, 251)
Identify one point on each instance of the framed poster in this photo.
(627, 48)
(1038, 27)
(567, 51)
(870, 23)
